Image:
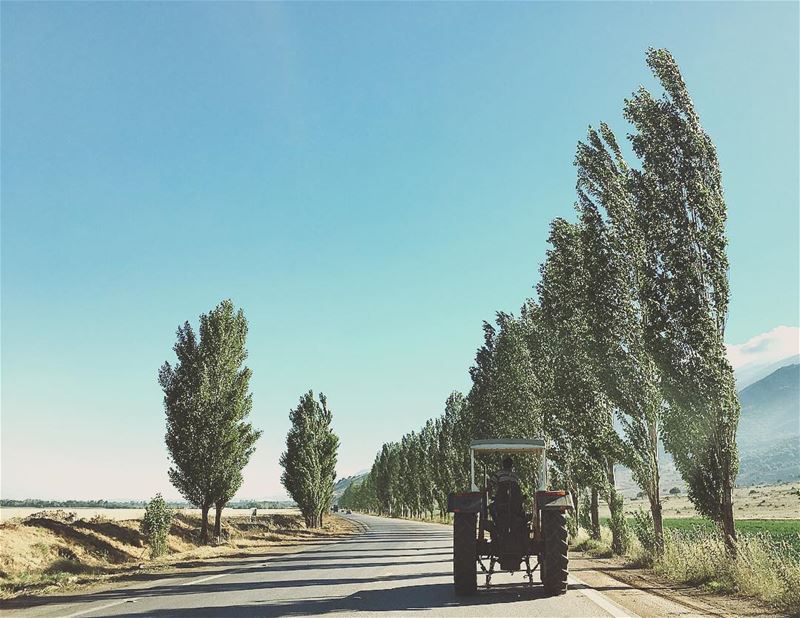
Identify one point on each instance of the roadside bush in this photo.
(592, 547)
(620, 535)
(155, 525)
(644, 531)
(693, 556)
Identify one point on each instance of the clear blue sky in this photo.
(368, 181)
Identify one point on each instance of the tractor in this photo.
(500, 530)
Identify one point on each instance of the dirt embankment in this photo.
(52, 550)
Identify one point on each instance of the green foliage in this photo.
(679, 198)
(309, 461)
(584, 511)
(207, 402)
(156, 524)
(615, 303)
(621, 540)
(643, 529)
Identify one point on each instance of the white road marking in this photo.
(601, 601)
(131, 600)
(206, 579)
(96, 609)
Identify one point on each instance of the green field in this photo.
(779, 530)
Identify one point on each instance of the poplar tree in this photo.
(223, 334)
(503, 394)
(189, 438)
(581, 422)
(680, 200)
(309, 461)
(616, 307)
(207, 402)
(451, 471)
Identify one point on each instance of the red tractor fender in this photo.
(464, 502)
(554, 500)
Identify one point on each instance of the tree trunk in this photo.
(594, 512)
(658, 521)
(321, 516)
(218, 519)
(654, 494)
(204, 523)
(619, 529)
(728, 524)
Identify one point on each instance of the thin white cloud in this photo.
(765, 349)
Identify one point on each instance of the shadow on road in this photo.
(419, 597)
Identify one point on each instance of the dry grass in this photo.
(766, 567)
(756, 502)
(7, 513)
(763, 568)
(54, 551)
(592, 547)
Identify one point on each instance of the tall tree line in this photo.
(624, 347)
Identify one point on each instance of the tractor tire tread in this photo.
(465, 546)
(555, 563)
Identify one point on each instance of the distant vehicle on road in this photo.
(349, 512)
(335, 508)
(514, 534)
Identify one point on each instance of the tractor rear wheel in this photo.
(555, 563)
(465, 553)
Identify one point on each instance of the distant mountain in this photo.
(768, 436)
(752, 373)
(344, 483)
(769, 428)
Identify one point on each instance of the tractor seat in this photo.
(510, 530)
(509, 495)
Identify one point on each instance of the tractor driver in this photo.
(505, 474)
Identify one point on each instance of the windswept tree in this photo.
(612, 242)
(580, 420)
(207, 403)
(628, 327)
(309, 461)
(502, 402)
(679, 198)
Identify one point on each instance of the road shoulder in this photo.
(178, 571)
(643, 593)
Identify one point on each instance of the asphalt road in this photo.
(393, 567)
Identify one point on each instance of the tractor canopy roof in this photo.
(508, 445)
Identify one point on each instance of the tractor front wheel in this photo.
(465, 553)
(555, 563)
